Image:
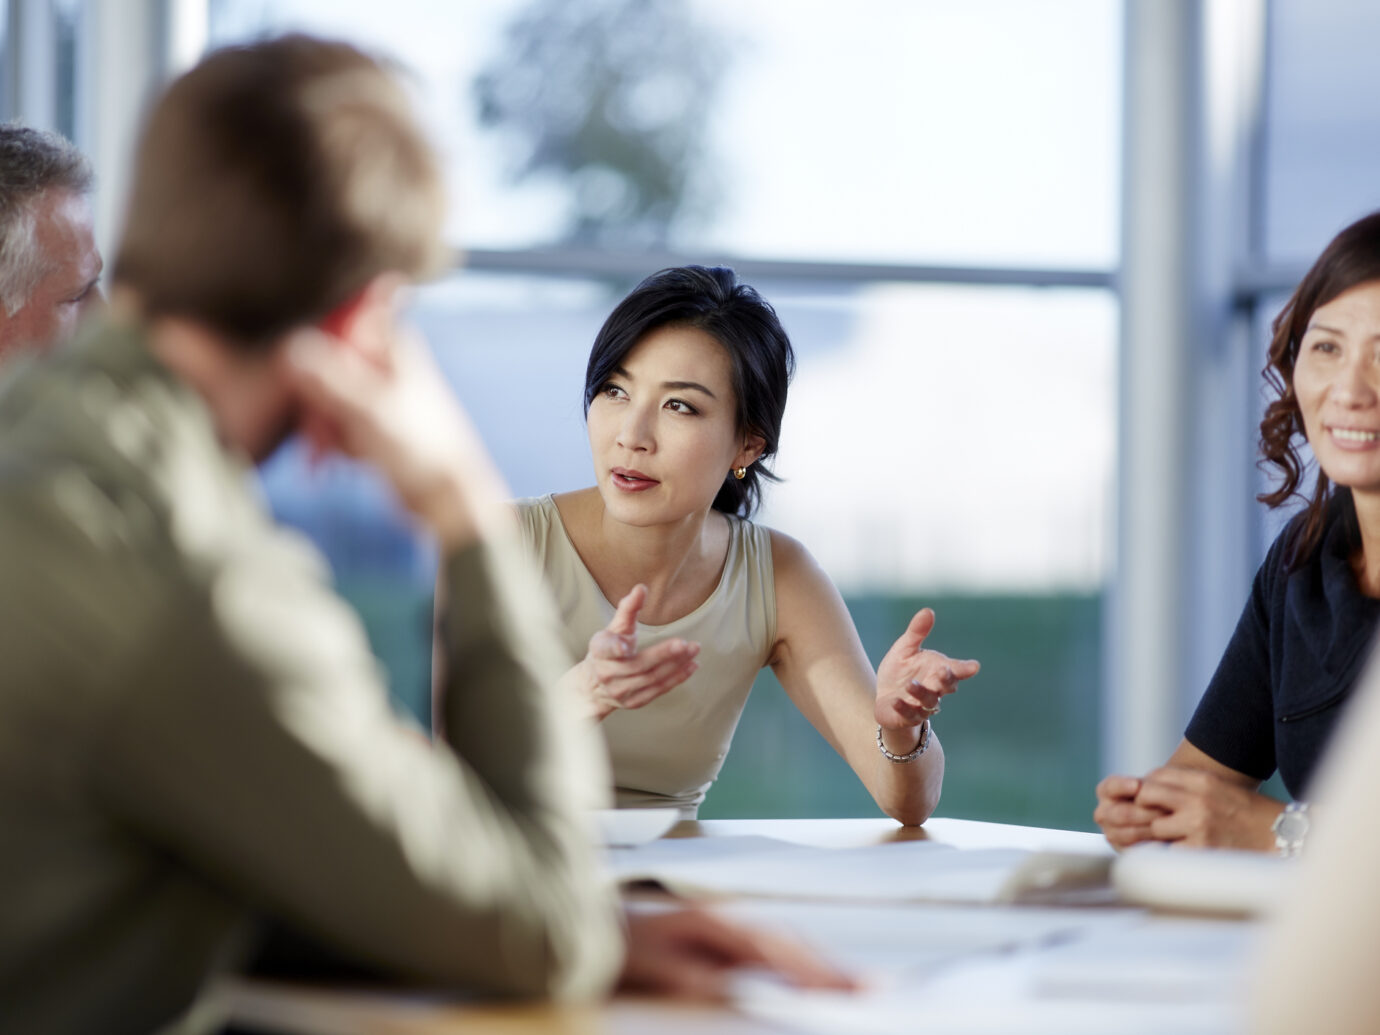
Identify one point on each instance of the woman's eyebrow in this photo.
(674, 386)
(682, 386)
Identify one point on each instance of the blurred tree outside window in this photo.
(610, 100)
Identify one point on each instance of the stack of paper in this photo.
(902, 871)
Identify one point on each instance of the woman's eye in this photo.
(1324, 346)
(680, 406)
(612, 391)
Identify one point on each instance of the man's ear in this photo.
(367, 318)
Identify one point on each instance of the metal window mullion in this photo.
(1145, 625)
(583, 262)
(31, 68)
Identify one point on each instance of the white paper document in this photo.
(1118, 971)
(908, 944)
(902, 871)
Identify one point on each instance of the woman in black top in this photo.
(1313, 610)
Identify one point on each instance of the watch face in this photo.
(1292, 826)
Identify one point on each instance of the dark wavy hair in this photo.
(711, 299)
(1352, 258)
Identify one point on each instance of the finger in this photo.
(1183, 778)
(651, 691)
(624, 622)
(1154, 795)
(331, 379)
(691, 954)
(953, 668)
(1174, 827)
(736, 946)
(654, 682)
(915, 693)
(937, 681)
(650, 658)
(606, 646)
(676, 664)
(920, 626)
(966, 669)
(940, 675)
(797, 964)
(1125, 837)
(1125, 814)
(1116, 786)
(926, 698)
(901, 712)
(635, 664)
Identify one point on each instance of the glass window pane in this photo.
(949, 447)
(952, 448)
(884, 130)
(1322, 139)
(944, 446)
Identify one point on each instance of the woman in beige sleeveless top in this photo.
(684, 395)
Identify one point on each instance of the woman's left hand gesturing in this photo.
(911, 680)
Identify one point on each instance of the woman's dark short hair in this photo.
(1352, 258)
(710, 299)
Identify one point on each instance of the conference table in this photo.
(1073, 960)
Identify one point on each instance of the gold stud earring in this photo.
(740, 473)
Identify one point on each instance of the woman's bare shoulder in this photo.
(794, 566)
(578, 506)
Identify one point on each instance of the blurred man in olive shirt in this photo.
(194, 737)
(193, 732)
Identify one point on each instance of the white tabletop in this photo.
(931, 966)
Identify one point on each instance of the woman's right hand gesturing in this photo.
(615, 674)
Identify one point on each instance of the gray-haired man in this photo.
(49, 265)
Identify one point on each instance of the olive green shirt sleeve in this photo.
(256, 742)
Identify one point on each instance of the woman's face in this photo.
(1337, 384)
(663, 428)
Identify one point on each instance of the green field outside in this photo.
(1021, 738)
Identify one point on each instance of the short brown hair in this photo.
(272, 182)
(1352, 258)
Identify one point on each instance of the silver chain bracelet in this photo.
(919, 750)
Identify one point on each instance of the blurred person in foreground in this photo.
(1307, 628)
(1317, 968)
(49, 265)
(194, 737)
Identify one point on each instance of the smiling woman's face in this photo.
(1337, 384)
(663, 428)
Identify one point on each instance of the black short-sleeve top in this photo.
(1292, 661)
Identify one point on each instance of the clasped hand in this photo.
(1184, 806)
(616, 674)
(911, 680)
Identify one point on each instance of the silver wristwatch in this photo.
(1291, 827)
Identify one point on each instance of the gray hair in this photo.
(32, 161)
